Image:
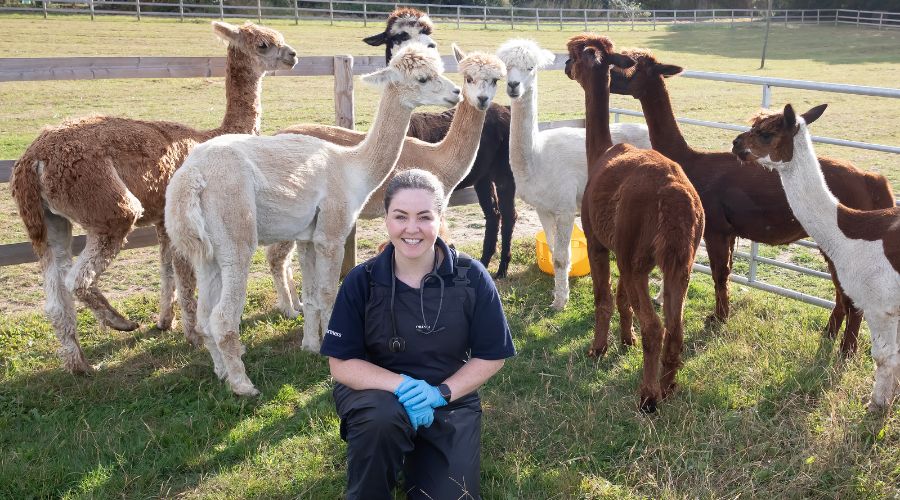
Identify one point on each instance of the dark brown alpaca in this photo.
(746, 201)
(640, 205)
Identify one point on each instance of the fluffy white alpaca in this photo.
(863, 245)
(550, 166)
(238, 191)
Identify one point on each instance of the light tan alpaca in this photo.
(238, 191)
(109, 175)
(450, 160)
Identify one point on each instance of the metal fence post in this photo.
(485, 16)
(754, 253)
(786, 17)
(732, 18)
(296, 13)
(259, 11)
(560, 20)
(802, 16)
(880, 21)
(837, 13)
(512, 16)
(857, 18)
(365, 14)
(92, 11)
(631, 15)
(695, 17)
(585, 20)
(330, 11)
(457, 17)
(344, 117)
(221, 10)
(537, 18)
(653, 13)
(180, 10)
(767, 96)
(607, 19)
(137, 9)
(674, 17)
(818, 13)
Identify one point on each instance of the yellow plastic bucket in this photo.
(580, 264)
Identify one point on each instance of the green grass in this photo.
(764, 409)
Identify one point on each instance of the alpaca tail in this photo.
(25, 184)
(184, 216)
(679, 228)
(880, 191)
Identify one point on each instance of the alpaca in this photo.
(743, 201)
(450, 159)
(490, 175)
(640, 205)
(550, 167)
(239, 191)
(109, 174)
(864, 246)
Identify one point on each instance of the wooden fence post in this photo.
(344, 117)
(259, 11)
(180, 10)
(221, 10)
(137, 9)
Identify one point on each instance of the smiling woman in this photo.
(406, 358)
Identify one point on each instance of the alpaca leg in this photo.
(82, 279)
(166, 280)
(603, 301)
(851, 331)
(487, 200)
(309, 291)
(720, 248)
(886, 353)
(209, 279)
(59, 306)
(186, 285)
(676, 285)
(279, 258)
(652, 335)
(225, 320)
(506, 198)
(626, 315)
(562, 260)
(328, 272)
(836, 319)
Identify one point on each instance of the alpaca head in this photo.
(634, 81)
(592, 55)
(416, 73)
(480, 72)
(770, 140)
(264, 46)
(523, 58)
(404, 25)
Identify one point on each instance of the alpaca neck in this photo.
(523, 131)
(596, 118)
(380, 149)
(460, 146)
(811, 201)
(665, 136)
(243, 88)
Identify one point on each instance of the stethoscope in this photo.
(398, 343)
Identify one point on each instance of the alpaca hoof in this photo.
(164, 324)
(78, 366)
(290, 313)
(500, 274)
(875, 407)
(558, 304)
(121, 324)
(245, 390)
(220, 371)
(628, 341)
(648, 405)
(668, 391)
(597, 351)
(311, 345)
(715, 320)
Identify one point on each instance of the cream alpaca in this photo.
(237, 191)
(863, 245)
(550, 167)
(450, 160)
(109, 174)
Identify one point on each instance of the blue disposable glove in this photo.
(423, 417)
(418, 394)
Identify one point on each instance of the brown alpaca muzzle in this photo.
(743, 153)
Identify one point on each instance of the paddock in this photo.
(764, 390)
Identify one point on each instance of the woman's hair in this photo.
(415, 179)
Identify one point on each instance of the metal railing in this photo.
(80, 68)
(458, 15)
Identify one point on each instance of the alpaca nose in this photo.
(482, 100)
(513, 85)
(292, 53)
(456, 91)
(736, 141)
(432, 46)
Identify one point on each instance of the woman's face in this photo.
(413, 222)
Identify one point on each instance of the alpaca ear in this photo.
(376, 40)
(458, 53)
(790, 118)
(546, 58)
(380, 78)
(225, 31)
(621, 60)
(814, 114)
(667, 70)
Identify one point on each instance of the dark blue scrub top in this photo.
(488, 336)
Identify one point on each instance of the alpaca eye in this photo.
(263, 46)
(531, 69)
(423, 79)
(766, 137)
(494, 82)
(469, 79)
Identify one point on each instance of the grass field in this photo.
(765, 407)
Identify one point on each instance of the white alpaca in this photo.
(550, 166)
(237, 191)
(863, 245)
(450, 159)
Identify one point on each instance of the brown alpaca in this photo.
(640, 205)
(109, 175)
(744, 200)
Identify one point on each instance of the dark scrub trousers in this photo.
(443, 460)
